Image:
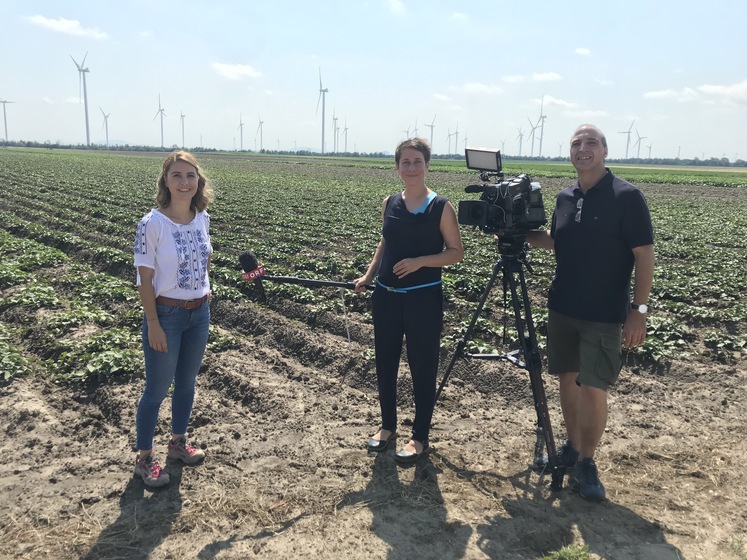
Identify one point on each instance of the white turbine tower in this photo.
(541, 122)
(181, 117)
(162, 113)
(456, 139)
(334, 132)
(431, 126)
(241, 134)
(259, 131)
(628, 132)
(649, 149)
(520, 138)
(532, 133)
(638, 143)
(82, 79)
(407, 132)
(448, 139)
(345, 134)
(415, 130)
(465, 142)
(5, 117)
(105, 125)
(322, 98)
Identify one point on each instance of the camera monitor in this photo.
(483, 160)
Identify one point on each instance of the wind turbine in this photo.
(82, 79)
(5, 118)
(628, 132)
(407, 132)
(334, 131)
(649, 149)
(162, 113)
(431, 126)
(415, 130)
(520, 137)
(259, 131)
(534, 128)
(456, 138)
(345, 134)
(560, 149)
(541, 122)
(181, 116)
(448, 139)
(503, 146)
(638, 143)
(322, 97)
(465, 142)
(241, 134)
(105, 125)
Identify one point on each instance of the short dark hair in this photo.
(419, 144)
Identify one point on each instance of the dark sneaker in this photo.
(151, 472)
(184, 452)
(567, 456)
(590, 487)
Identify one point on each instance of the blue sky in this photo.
(672, 73)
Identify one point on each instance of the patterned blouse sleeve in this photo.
(146, 240)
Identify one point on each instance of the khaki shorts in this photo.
(594, 350)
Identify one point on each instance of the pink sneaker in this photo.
(184, 452)
(151, 471)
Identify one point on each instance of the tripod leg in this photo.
(528, 341)
(462, 344)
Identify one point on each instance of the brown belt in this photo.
(185, 303)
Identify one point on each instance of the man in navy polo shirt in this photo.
(601, 231)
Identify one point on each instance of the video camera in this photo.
(507, 207)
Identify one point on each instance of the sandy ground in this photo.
(284, 418)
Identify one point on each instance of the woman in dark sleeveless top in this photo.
(420, 234)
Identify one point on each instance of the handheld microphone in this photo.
(253, 271)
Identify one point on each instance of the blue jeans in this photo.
(186, 338)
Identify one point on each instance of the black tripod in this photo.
(512, 263)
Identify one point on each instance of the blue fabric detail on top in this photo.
(408, 289)
(426, 202)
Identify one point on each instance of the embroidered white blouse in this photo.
(178, 253)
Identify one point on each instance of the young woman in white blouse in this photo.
(172, 257)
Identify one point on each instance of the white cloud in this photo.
(582, 51)
(603, 82)
(735, 93)
(441, 97)
(459, 16)
(236, 71)
(47, 100)
(551, 101)
(73, 100)
(585, 114)
(546, 77)
(685, 94)
(515, 79)
(68, 26)
(478, 88)
(397, 6)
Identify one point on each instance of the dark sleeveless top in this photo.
(407, 235)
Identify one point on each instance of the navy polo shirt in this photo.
(593, 249)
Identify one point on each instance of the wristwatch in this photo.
(642, 308)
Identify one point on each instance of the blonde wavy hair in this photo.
(204, 194)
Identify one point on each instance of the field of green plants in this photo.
(69, 307)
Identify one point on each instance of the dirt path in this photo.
(284, 417)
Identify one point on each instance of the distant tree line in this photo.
(710, 162)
